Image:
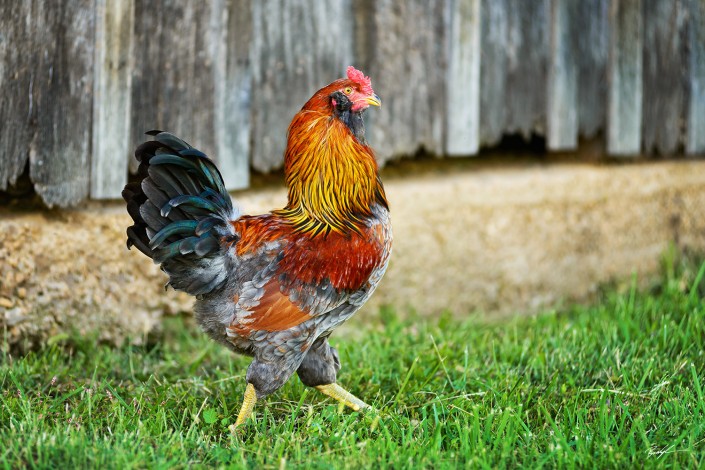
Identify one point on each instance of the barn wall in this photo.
(81, 80)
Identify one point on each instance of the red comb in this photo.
(358, 77)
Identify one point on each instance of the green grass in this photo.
(616, 384)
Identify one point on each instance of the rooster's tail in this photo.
(181, 212)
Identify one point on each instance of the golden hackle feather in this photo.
(331, 176)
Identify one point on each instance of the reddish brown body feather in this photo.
(346, 260)
(276, 312)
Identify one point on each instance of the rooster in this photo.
(273, 286)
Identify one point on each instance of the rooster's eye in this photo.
(348, 90)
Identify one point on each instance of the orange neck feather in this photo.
(332, 178)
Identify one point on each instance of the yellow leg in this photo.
(248, 403)
(343, 396)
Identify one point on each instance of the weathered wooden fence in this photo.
(81, 80)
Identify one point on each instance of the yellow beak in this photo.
(374, 100)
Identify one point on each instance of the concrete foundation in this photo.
(469, 237)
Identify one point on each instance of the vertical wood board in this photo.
(173, 87)
(625, 78)
(233, 89)
(112, 97)
(562, 93)
(463, 92)
(408, 67)
(493, 70)
(664, 69)
(593, 39)
(515, 60)
(695, 133)
(16, 82)
(527, 66)
(62, 96)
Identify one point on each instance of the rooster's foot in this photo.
(248, 404)
(343, 396)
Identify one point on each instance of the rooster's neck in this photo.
(331, 174)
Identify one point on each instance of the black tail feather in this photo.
(181, 210)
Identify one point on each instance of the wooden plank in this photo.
(665, 63)
(514, 61)
(16, 81)
(233, 90)
(408, 65)
(463, 92)
(592, 57)
(364, 32)
(562, 107)
(527, 72)
(62, 96)
(695, 134)
(112, 97)
(493, 70)
(173, 87)
(624, 106)
(298, 47)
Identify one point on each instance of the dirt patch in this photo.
(483, 238)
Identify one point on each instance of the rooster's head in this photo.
(354, 93)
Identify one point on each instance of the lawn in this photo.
(615, 384)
